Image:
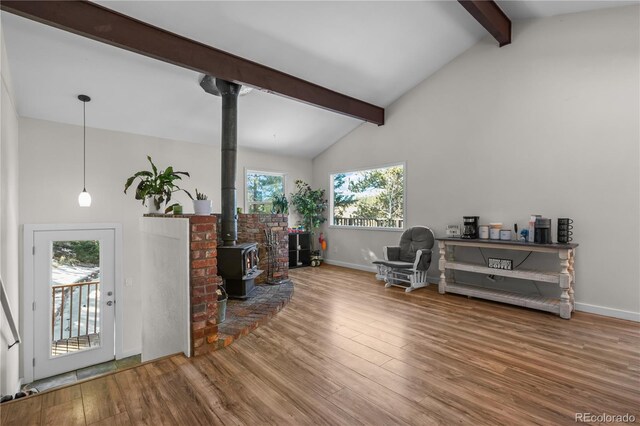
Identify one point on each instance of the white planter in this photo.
(202, 207)
(151, 207)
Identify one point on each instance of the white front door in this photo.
(73, 316)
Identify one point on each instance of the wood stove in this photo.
(237, 263)
(238, 266)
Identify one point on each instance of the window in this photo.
(260, 190)
(371, 198)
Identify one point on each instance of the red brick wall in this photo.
(204, 283)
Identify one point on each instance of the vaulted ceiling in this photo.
(371, 50)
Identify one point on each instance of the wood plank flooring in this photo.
(347, 351)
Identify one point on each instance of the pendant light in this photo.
(84, 199)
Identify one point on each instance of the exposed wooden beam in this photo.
(113, 28)
(491, 17)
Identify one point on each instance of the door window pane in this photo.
(75, 296)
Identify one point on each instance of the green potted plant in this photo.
(156, 186)
(310, 204)
(280, 205)
(202, 204)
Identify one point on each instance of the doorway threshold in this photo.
(83, 373)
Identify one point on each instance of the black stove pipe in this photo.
(229, 92)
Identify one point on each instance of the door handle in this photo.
(109, 303)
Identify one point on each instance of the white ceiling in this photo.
(371, 50)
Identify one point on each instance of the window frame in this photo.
(361, 169)
(261, 172)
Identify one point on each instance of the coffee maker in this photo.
(470, 230)
(542, 231)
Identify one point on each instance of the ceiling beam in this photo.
(107, 26)
(491, 17)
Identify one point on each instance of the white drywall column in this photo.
(9, 228)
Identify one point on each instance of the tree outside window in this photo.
(261, 189)
(369, 198)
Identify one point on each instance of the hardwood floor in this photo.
(348, 351)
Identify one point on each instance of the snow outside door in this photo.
(74, 277)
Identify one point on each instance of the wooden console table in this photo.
(565, 278)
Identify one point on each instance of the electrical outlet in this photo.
(128, 282)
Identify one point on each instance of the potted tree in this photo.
(311, 205)
(202, 204)
(156, 186)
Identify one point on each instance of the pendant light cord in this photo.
(84, 147)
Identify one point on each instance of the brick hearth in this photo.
(244, 316)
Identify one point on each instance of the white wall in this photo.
(548, 125)
(166, 322)
(51, 179)
(9, 230)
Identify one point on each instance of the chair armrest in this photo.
(423, 260)
(391, 252)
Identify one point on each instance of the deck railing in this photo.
(370, 223)
(80, 294)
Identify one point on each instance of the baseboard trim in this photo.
(370, 268)
(582, 307)
(608, 312)
(129, 353)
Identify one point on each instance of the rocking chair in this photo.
(406, 265)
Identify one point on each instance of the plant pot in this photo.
(202, 207)
(222, 307)
(222, 311)
(151, 207)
